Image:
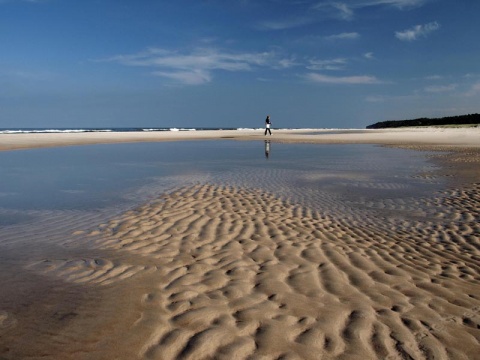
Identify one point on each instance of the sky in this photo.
(229, 63)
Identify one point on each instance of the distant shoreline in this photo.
(459, 120)
(463, 137)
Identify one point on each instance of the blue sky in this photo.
(214, 63)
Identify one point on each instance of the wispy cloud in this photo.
(332, 64)
(204, 58)
(401, 4)
(346, 9)
(343, 80)
(417, 31)
(471, 76)
(368, 55)
(193, 77)
(440, 88)
(197, 67)
(338, 10)
(434, 77)
(474, 90)
(343, 36)
(285, 63)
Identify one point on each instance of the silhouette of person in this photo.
(267, 125)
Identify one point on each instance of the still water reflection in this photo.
(100, 176)
(267, 148)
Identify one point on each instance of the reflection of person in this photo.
(267, 148)
(267, 125)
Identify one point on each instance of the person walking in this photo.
(267, 125)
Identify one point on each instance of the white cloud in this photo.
(343, 36)
(474, 90)
(401, 4)
(206, 59)
(345, 12)
(333, 64)
(339, 10)
(197, 66)
(194, 77)
(368, 55)
(417, 31)
(471, 76)
(343, 80)
(285, 63)
(440, 88)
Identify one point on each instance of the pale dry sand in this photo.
(401, 136)
(215, 272)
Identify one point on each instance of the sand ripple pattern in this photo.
(244, 275)
(91, 271)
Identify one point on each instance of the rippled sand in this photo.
(215, 272)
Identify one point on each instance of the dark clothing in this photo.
(267, 126)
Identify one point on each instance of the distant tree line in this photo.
(450, 120)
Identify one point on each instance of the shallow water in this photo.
(100, 177)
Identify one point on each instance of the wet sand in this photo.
(217, 272)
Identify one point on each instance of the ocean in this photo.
(87, 130)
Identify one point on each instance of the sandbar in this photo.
(466, 137)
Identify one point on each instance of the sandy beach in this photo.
(467, 137)
(222, 272)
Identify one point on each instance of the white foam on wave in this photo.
(182, 129)
(54, 131)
